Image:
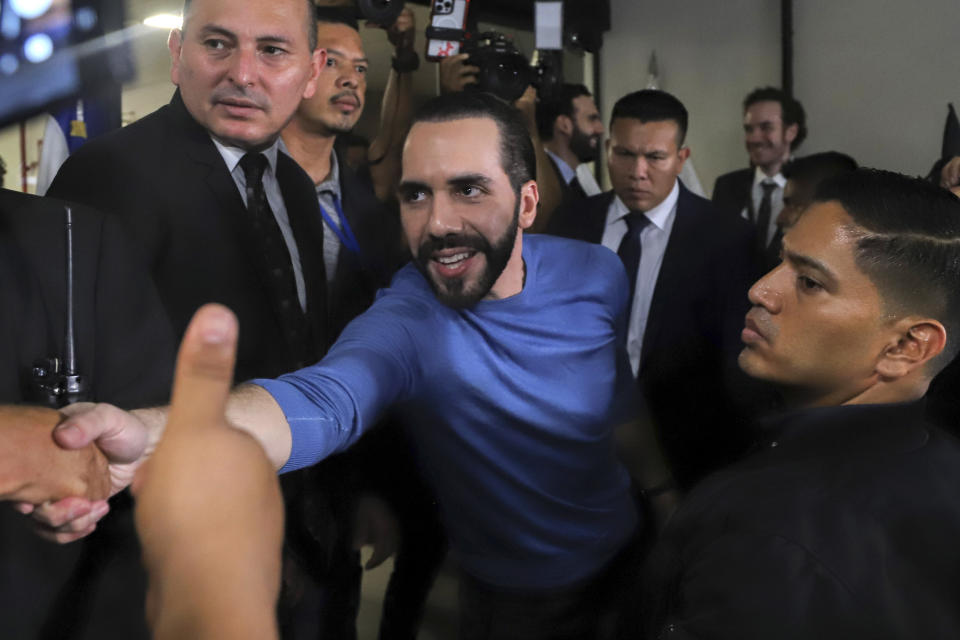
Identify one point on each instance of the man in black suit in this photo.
(570, 128)
(774, 125)
(124, 354)
(219, 212)
(178, 180)
(361, 249)
(845, 523)
(689, 267)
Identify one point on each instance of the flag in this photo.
(688, 175)
(70, 127)
(951, 134)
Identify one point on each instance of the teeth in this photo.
(452, 259)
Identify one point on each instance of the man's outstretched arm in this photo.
(209, 511)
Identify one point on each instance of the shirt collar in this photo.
(566, 170)
(332, 183)
(759, 176)
(659, 215)
(232, 155)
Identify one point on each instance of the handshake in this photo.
(208, 508)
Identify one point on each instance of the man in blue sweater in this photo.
(508, 349)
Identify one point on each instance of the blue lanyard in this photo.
(343, 230)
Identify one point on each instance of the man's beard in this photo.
(454, 292)
(580, 145)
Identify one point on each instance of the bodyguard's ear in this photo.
(918, 342)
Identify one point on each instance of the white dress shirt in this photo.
(232, 156)
(653, 246)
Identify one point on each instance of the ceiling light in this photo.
(164, 21)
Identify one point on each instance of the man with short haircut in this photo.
(219, 212)
(774, 126)
(804, 176)
(689, 268)
(216, 210)
(505, 347)
(570, 128)
(361, 251)
(844, 523)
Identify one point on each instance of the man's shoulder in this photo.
(738, 175)
(711, 218)
(577, 217)
(576, 266)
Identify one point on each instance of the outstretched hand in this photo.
(208, 507)
(36, 470)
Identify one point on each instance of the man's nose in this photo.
(349, 77)
(640, 168)
(767, 292)
(243, 67)
(443, 218)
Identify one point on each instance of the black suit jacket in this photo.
(570, 191)
(843, 525)
(731, 191)
(124, 343)
(165, 178)
(731, 194)
(697, 396)
(125, 352)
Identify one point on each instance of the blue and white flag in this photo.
(71, 127)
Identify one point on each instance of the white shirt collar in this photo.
(759, 176)
(659, 215)
(232, 155)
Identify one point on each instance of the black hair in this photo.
(909, 244)
(652, 105)
(791, 111)
(517, 156)
(559, 104)
(311, 22)
(809, 171)
(338, 15)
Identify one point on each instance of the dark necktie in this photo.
(630, 248)
(276, 267)
(763, 213)
(576, 188)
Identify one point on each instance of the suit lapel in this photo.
(303, 210)
(673, 271)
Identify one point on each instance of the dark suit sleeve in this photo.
(761, 586)
(134, 338)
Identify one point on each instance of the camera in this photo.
(505, 71)
(382, 12)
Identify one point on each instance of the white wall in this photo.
(874, 75)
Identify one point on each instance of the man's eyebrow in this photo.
(807, 261)
(213, 29)
(412, 185)
(469, 178)
(341, 54)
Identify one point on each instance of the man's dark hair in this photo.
(909, 244)
(652, 105)
(559, 104)
(811, 170)
(791, 111)
(311, 22)
(517, 156)
(338, 15)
